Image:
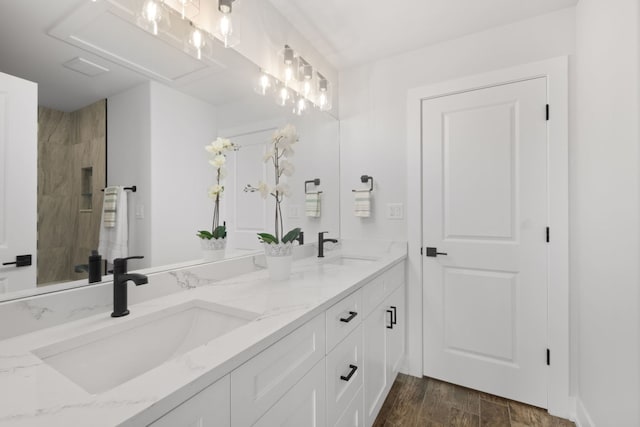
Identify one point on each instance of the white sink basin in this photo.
(350, 260)
(104, 359)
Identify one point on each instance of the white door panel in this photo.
(485, 206)
(18, 185)
(248, 213)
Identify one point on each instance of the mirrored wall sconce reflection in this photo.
(300, 88)
(174, 20)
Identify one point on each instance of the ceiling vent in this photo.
(86, 67)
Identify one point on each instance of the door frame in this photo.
(555, 71)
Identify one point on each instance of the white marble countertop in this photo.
(34, 394)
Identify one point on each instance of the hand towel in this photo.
(114, 240)
(110, 207)
(312, 204)
(362, 203)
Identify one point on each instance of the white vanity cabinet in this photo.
(384, 341)
(333, 371)
(209, 408)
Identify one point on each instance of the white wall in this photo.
(605, 211)
(373, 121)
(129, 163)
(181, 175)
(156, 139)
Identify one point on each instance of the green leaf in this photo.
(220, 232)
(291, 236)
(267, 238)
(204, 234)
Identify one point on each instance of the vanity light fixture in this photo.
(152, 13)
(264, 84)
(196, 39)
(284, 96)
(301, 106)
(225, 27)
(188, 8)
(324, 95)
(305, 76)
(289, 58)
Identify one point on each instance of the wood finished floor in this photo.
(427, 402)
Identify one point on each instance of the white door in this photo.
(248, 213)
(18, 180)
(485, 206)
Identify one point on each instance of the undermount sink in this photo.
(351, 260)
(104, 359)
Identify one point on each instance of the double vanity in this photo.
(220, 344)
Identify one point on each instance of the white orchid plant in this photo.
(218, 150)
(279, 151)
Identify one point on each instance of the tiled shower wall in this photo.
(67, 228)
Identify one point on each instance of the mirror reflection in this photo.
(104, 123)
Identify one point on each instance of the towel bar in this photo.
(364, 179)
(133, 188)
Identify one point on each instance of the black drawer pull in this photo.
(352, 314)
(354, 368)
(390, 326)
(394, 316)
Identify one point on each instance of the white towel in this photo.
(110, 206)
(312, 204)
(114, 240)
(362, 203)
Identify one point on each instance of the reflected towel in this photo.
(110, 207)
(114, 241)
(312, 204)
(362, 203)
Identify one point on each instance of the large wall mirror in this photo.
(120, 106)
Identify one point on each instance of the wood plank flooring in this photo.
(426, 402)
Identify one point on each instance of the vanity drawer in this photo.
(354, 414)
(344, 374)
(262, 381)
(343, 317)
(374, 292)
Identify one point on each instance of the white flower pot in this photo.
(213, 249)
(279, 257)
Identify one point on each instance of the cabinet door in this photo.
(352, 416)
(375, 361)
(209, 408)
(344, 375)
(395, 336)
(303, 405)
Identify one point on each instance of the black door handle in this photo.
(433, 252)
(21, 261)
(352, 314)
(354, 368)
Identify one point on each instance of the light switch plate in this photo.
(295, 211)
(395, 211)
(139, 211)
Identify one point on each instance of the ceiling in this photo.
(352, 32)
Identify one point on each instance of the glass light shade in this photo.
(264, 84)
(301, 106)
(152, 13)
(197, 40)
(284, 96)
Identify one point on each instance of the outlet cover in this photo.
(395, 211)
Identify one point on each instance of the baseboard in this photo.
(582, 416)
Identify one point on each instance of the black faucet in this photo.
(120, 279)
(300, 238)
(321, 242)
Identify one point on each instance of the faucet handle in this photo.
(120, 264)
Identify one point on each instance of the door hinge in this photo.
(548, 357)
(547, 110)
(548, 233)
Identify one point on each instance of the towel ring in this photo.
(133, 188)
(315, 182)
(364, 179)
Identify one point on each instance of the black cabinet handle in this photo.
(390, 326)
(21, 261)
(394, 315)
(354, 368)
(352, 314)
